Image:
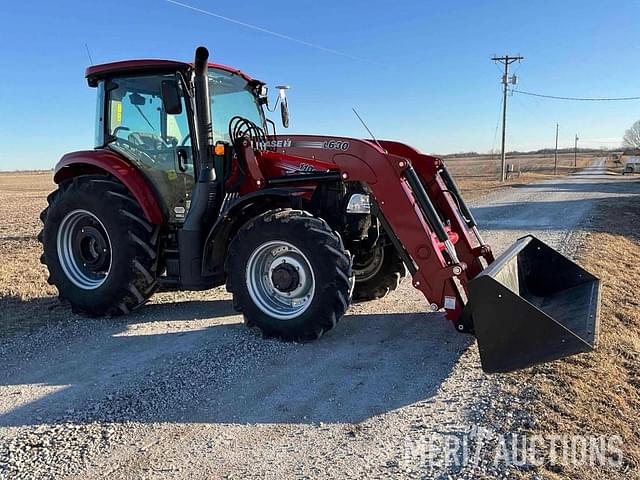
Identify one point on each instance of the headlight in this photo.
(359, 203)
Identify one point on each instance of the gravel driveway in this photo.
(183, 390)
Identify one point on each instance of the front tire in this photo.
(290, 275)
(100, 251)
(377, 273)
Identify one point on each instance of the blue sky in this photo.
(423, 73)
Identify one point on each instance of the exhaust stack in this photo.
(204, 199)
(203, 114)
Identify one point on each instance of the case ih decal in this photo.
(264, 145)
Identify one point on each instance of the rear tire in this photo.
(100, 250)
(290, 275)
(377, 273)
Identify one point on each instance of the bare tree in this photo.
(631, 137)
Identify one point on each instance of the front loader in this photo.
(190, 187)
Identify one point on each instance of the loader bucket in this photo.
(533, 305)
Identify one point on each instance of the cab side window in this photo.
(158, 143)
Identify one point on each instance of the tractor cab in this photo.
(146, 113)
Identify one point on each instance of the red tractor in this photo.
(189, 187)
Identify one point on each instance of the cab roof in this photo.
(97, 72)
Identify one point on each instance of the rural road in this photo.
(183, 390)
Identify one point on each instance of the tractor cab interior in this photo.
(139, 122)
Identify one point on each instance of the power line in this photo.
(271, 32)
(580, 99)
(495, 134)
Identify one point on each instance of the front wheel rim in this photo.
(84, 249)
(280, 280)
(369, 267)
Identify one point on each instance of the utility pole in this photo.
(555, 156)
(506, 61)
(575, 152)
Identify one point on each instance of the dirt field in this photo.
(180, 389)
(487, 166)
(25, 294)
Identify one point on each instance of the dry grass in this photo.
(598, 393)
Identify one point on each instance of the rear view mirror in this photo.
(284, 113)
(284, 106)
(171, 97)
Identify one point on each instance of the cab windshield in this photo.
(231, 95)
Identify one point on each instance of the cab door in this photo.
(156, 142)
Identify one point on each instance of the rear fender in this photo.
(105, 161)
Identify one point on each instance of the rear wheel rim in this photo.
(84, 249)
(280, 280)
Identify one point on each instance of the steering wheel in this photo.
(135, 147)
(120, 129)
(184, 140)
